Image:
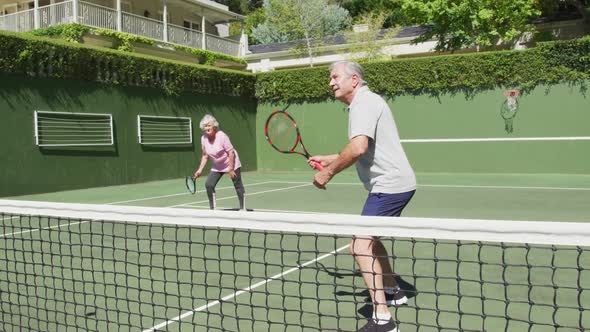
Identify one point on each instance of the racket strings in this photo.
(282, 132)
(190, 184)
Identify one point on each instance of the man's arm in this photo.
(323, 160)
(355, 148)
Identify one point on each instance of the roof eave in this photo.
(231, 16)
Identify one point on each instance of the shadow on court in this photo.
(367, 309)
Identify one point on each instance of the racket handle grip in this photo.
(317, 166)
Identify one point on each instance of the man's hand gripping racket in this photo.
(283, 135)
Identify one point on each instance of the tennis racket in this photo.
(283, 135)
(191, 184)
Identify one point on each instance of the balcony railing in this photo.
(18, 22)
(106, 18)
(59, 13)
(97, 16)
(184, 36)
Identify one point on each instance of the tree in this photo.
(581, 5)
(307, 20)
(472, 23)
(253, 19)
(241, 6)
(366, 45)
(360, 9)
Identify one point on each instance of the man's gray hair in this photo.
(208, 119)
(351, 68)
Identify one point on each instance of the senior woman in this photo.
(216, 145)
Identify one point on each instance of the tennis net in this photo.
(79, 267)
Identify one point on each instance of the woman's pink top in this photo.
(218, 151)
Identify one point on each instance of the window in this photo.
(126, 6)
(73, 129)
(31, 4)
(164, 130)
(160, 16)
(191, 25)
(9, 9)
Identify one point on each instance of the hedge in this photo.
(44, 57)
(549, 62)
(74, 32)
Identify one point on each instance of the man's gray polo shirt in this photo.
(384, 168)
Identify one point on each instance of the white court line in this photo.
(112, 203)
(503, 187)
(495, 139)
(206, 207)
(242, 291)
(247, 194)
(302, 184)
(181, 194)
(456, 186)
(230, 296)
(38, 229)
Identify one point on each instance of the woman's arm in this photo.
(232, 163)
(204, 158)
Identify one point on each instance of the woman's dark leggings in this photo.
(212, 180)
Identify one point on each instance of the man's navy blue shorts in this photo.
(391, 205)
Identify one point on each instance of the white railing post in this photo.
(165, 20)
(52, 12)
(36, 18)
(75, 9)
(243, 47)
(203, 35)
(119, 16)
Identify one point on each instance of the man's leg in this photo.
(390, 205)
(383, 257)
(210, 184)
(364, 251)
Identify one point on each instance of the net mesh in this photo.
(281, 131)
(87, 267)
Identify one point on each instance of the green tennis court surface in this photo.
(548, 197)
(62, 274)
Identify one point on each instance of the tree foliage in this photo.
(365, 45)
(288, 20)
(472, 23)
(243, 7)
(25, 54)
(360, 9)
(307, 20)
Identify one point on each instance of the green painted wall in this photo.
(27, 168)
(547, 111)
(552, 111)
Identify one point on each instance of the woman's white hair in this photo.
(208, 119)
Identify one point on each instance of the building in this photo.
(202, 24)
(396, 44)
